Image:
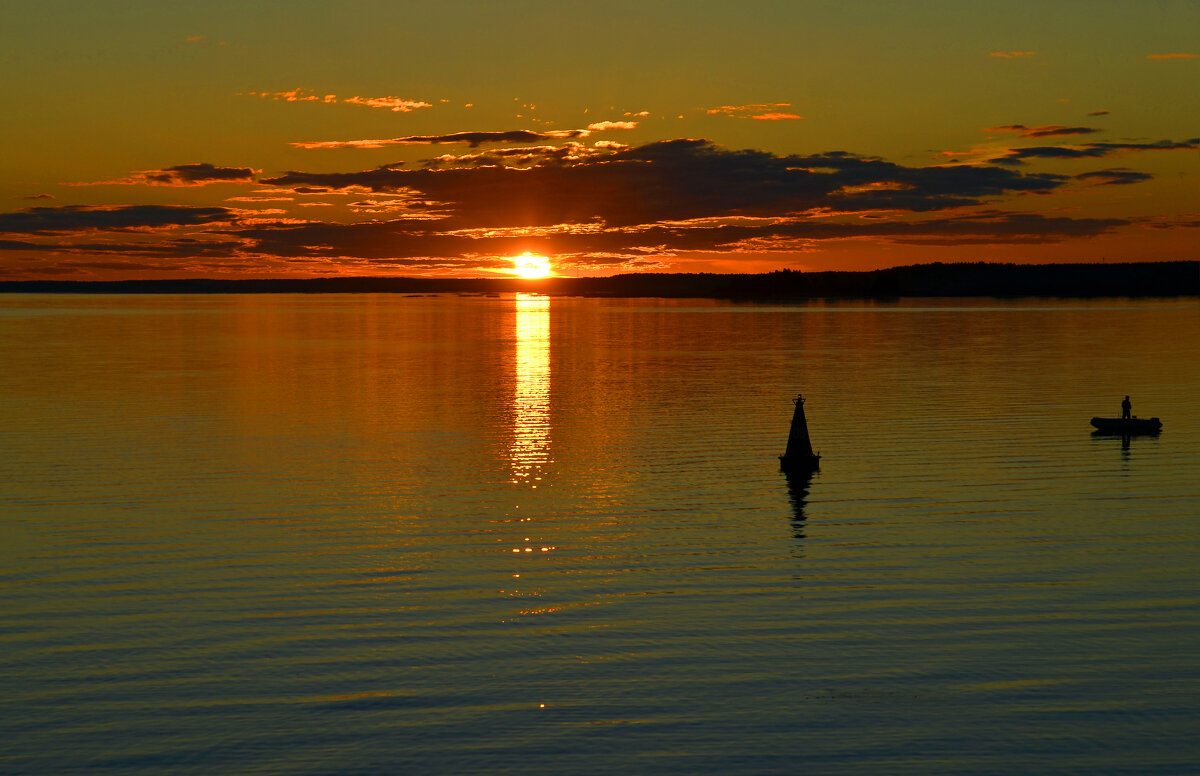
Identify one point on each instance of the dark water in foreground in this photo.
(385, 534)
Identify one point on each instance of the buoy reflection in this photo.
(529, 449)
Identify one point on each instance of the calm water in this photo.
(417, 535)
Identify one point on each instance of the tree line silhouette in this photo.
(1151, 279)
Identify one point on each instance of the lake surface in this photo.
(383, 534)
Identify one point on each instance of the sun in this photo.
(529, 265)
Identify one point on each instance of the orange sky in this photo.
(307, 139)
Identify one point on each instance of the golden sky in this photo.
(297, 139)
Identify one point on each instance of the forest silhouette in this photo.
(1151, 279)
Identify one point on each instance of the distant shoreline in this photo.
(982, 279)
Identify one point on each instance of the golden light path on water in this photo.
(529, 448)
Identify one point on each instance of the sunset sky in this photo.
(295, 139)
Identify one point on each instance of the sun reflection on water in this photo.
(529, 449)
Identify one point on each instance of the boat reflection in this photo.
(529, 446)
(1126, 439)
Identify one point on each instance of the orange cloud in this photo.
(394, 104)
(755, 110)
(1171, 56)
(776, 116)
(1010, 54)
(600, 126)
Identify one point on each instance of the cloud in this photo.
(69, 218)
(756, 110)
(674, 179)
(394, 104)
(1016, 156)
(1100, 113)
(1116, 176)
(1046, 130)
(523, 156)
(196, 174)
(1011, 54)
(405, 243)
(473, 139)
(605, 204)
(117, 265)
(36, 196)
(1171, 56)
(601, 126)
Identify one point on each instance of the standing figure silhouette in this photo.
(1126, 409)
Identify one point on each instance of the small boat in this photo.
(799, 455)
(1134, 425)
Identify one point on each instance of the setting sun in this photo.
(529, 265)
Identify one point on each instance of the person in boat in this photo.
(1126, 409)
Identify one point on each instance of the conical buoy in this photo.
(799, 456)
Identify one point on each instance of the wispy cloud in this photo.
(1100, 113)
(473, 139)
(394, 104)
(1046, 130)
(194, 174)
(404, 242)
(1172, 56)
(68, 218)
(763, 111)
(1011, 54)
(1117, 176)
(1015, 156)
(36, 196)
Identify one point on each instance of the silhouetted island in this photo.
(1151, 279)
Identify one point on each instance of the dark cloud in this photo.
(1100, 113)
(676, 180)
(180, 249)
(120, 265)
(37, 196)
(1046, 130)
(1113, 177)
(1018, 156)
(69, 218)
(197, 174)
(194, 174)
(401, 240)
(604, 204)
(473, 139)
(1161, 145)
(21, 245)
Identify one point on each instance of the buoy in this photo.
(799, 455)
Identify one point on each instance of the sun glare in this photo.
(529, 265)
